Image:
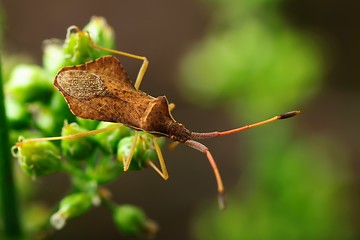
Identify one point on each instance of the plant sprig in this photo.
(90, 162)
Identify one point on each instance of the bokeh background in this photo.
(226, 63)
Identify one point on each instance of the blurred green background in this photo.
(227, 63)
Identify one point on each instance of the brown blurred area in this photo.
(164, 31)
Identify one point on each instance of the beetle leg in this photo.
(131, 153)
(72, 136)
(163, 172)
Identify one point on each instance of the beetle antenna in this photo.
(197, 135)
(202, 148)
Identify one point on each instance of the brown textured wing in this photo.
(101, 90)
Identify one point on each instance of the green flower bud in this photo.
(38, 158)
(101, 33)
(71, 206)
(16, 113)
(29, 83)
(109, 140)
(132, 221)
(144, 150)
(77, 49)
(53, 58)
(78, 148)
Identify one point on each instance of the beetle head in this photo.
(177, 132)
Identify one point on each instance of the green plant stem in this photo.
(8, 198)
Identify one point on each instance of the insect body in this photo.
(101, 90)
